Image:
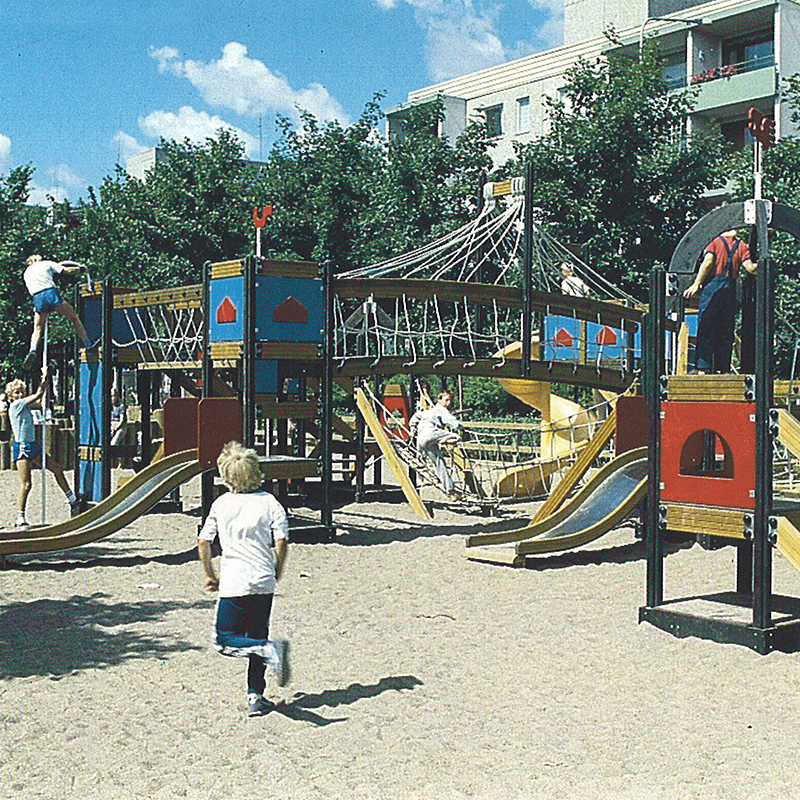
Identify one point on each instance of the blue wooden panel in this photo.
(93, 317)
(126, 326)
(266, 376)
(90, 478)
(294, 299)
(226, 309)
(562, 338)
(91, 403)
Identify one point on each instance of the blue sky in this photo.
(86, 84)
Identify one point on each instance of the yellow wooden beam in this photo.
(389, 453)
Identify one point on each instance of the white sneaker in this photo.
(258, 706)
(21, 523)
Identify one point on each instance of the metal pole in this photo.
(326, 425)
(44, 424)
(248, 351)
(762, 546)
(653, 370)
(527, 279)
(106, 377)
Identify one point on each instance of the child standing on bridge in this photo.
(253, 533)
(27, 452)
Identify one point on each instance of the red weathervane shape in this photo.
(762, 128)
(260, 216)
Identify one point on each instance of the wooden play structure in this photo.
(710, 464)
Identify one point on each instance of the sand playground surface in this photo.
(417, 674)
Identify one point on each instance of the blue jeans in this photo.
(715, 322)
(242, 628)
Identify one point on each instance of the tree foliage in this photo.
(616, 172)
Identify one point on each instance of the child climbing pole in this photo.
(39, 279)
(27, 452)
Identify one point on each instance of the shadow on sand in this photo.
(56, 638)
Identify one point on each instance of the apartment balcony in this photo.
(735, 84)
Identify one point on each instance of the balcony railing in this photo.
(717, 73)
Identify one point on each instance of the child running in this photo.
(253, 533)
(39, 278)
(27, 451)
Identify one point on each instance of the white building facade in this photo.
(734, 52)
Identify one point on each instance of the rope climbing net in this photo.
(437, 320)
(164, 332)
(489, 466)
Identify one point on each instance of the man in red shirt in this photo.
(723, 259)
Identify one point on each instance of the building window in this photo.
(523, 115)
(494, 120)
(674, 71)
(745, 55)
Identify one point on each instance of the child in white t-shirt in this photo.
(253, 533)
(39, 279)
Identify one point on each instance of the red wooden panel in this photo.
(219, 421)
(682, 448)
(632, 424)
(180, 424)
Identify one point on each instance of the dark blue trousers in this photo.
(715, 323)
(242, 626)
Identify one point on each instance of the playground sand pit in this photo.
(417, 674)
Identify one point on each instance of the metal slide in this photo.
(119, 509)
(600, 505)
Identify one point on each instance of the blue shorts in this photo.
(47, 300)
(26, 450)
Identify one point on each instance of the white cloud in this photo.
(126, 145)
(462, 35)
(188, 123)
(247, 86)
(5, 149)
(63, 180)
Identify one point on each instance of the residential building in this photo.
(734, 52)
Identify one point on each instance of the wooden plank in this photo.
(578, 469)
(789, 432)
(289, 269)
(280, 468)
(728, 522)
(286, 351)
(156, 297)
(789, 539)
(392, 459)
(225, 350)
(227, 269)
(585, 308)
(551, 371)
(286, 409)
(682, 365)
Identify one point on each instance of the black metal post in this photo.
(106, 377)
(652, 372)
(250, 266)
(143, 393)
(527, 279)
(762, 547)
(207, 367)
(326, 424)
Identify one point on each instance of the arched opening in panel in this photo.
(705, 452)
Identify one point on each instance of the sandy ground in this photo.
(417, 673)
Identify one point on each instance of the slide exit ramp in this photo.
(119, 509)
(605, 501)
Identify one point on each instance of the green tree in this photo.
(194, 206)
(615, 170)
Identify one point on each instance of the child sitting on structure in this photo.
(39, 279)
(253, 533)
(26, 450)
(431, 428)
